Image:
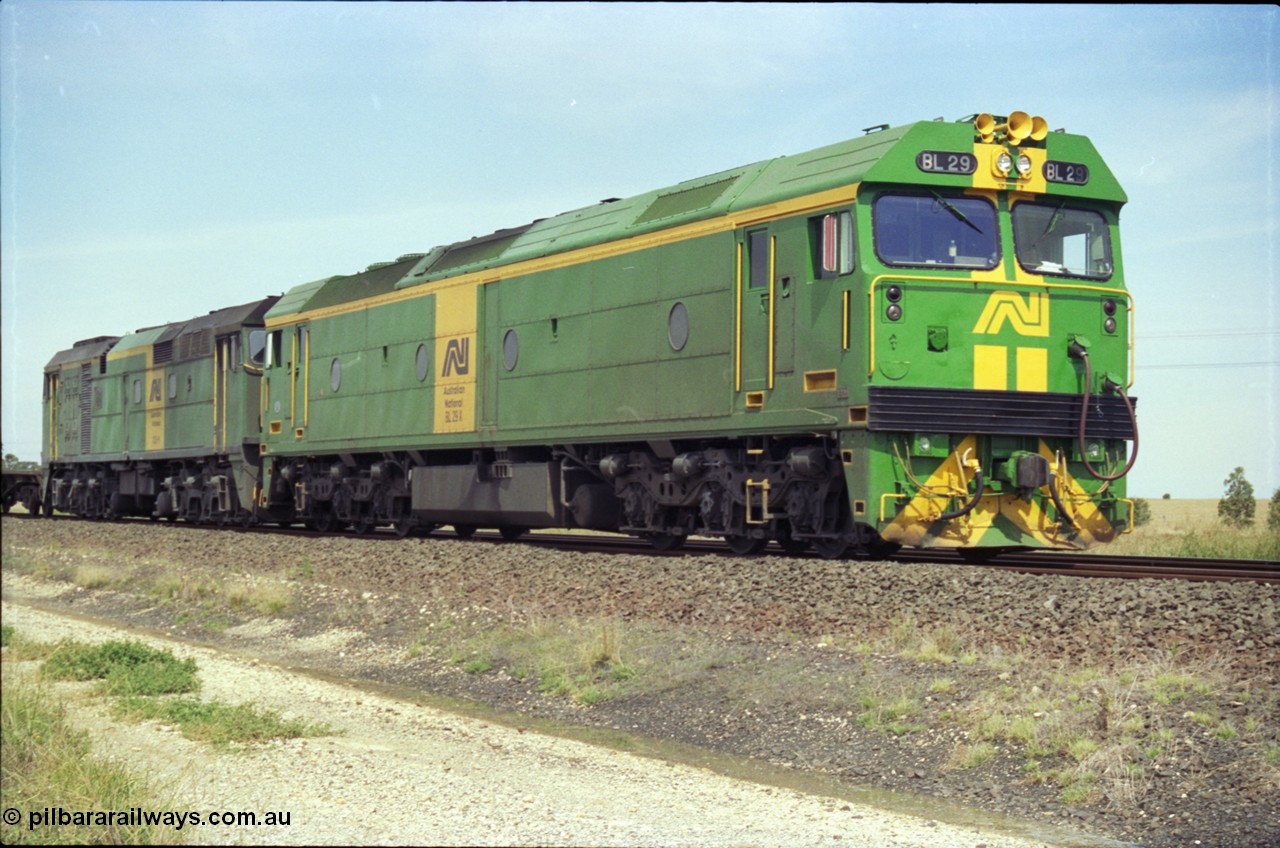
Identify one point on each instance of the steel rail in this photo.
(1071, 564)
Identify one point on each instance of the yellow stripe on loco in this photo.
(154, 406)
(1033, 369)
(456, 355)
(990, 367)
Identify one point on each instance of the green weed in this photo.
(216, 722)
(126, 668)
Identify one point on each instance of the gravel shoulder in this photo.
(840, 679)
(404, 773)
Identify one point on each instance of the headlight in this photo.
(1024, 165)
(1003, 163)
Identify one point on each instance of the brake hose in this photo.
(1063, 515)
(1078, 351)
(967, 508)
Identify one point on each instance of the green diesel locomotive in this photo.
(918, 337)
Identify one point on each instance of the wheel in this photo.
(464, 531)
(745, 545)
(830, 548)
(665, 541)
(323, 521)
(512, 533)
(404, 525)
(790, 545)
(363, 524)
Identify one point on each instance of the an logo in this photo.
(457, 358)
(1029, 318)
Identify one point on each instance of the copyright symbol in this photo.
(12, 816)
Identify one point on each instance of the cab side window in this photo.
(832, 238)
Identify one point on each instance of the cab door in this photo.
(224, 357)
(300, 379)
(755, 303)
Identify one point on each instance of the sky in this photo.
(160, 160)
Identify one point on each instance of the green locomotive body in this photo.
(162, 422)
(921, 336)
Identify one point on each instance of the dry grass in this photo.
(1192, 528)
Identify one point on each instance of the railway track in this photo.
(1035, 562)
(1032, 562)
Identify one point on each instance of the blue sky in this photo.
(160, 160)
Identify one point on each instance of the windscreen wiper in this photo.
(1048, 228)
(960, 216)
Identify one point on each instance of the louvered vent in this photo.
(86, 406)
(195, 345)
(685, 200)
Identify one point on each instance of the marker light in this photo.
(1109, 325)
(894, 312)
(893, 293)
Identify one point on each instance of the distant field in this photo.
(1192, 528)
(1178, 516)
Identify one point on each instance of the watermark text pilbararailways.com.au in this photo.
(136, 816)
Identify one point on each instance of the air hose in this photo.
(1063, 515)
(1078, 351)
(967, 508)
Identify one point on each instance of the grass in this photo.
(577, 659)
(137, 676)
(45, 763)
(205, 595)
(1093, 732)
(1191, 528)
(217, 723)
(125, 668)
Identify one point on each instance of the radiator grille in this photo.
(909, 409)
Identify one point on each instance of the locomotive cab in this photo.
(999, 345)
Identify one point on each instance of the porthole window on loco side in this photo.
(1055, 240)
(422, 363)
(935, 231)
(678, 326)
(510, 350)
(335, 375)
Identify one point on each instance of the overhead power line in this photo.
(1141, 368)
